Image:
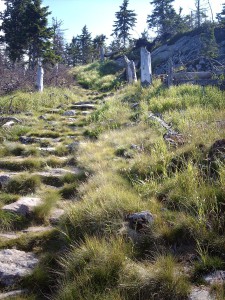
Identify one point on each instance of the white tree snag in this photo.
(146, 67)
(102, 54)
(40, 77)
(130, 70)
(170, 73)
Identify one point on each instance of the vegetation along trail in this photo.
(112, 167)
(99, 202)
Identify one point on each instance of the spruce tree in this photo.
(125, 21)
(86, 45)
(221, 16)
(24, 23)
(73, 52)
(165, 19)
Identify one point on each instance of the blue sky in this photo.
(99, 15)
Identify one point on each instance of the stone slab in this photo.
(24, 206)
(15, 264)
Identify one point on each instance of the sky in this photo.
(99, 15)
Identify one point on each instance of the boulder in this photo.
(200, 293)
(15, 264)
(216, 277)
(139, 220)
(24, 206)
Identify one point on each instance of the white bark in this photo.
(130, 70)
(102, 54)
(40, 78)
(146, 67)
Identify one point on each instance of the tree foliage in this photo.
(125, 21)
(165, 19)
(24, 23)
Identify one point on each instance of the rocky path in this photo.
(35, 164)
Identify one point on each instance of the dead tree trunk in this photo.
(40, 77)
(102, 54)
(130, 70)
(146, 68)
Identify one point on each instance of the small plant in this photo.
(23, 184)
(50, 198)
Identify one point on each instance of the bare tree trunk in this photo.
(102, 54)
(146, 67)
(130, 70)
(40, 77)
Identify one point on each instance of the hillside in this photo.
(112, 192)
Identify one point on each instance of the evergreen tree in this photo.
(221, 16)
(165, 19)
(73, 52)
(125, 21)
(24, 23)
(98, 42)
(162, 16)
(58, 40)
(86, 45)
(209, 46)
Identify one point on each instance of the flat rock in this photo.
(15, 264)
(24, 206)
(8, 124)
(200, 293)
(57, 172)
(69, 113)
(37, 229)
(55, 216)
(13, 294)
(47, 149)
(9, 236)
(83, 106)
(217, 277)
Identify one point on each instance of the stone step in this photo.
(32, 140)
(33, 229)
(83, 106)
(200, 293)
(24, 206)
(15, 264)
(13, 294)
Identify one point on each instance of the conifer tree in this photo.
(86, 45)
(125, 21)
(24, 23)
(221, 16)
(165, 19)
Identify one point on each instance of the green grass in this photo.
(127, 167)
(102, 77)
(23, 184)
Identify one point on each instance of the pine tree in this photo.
(125, 21)
(24, 23)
